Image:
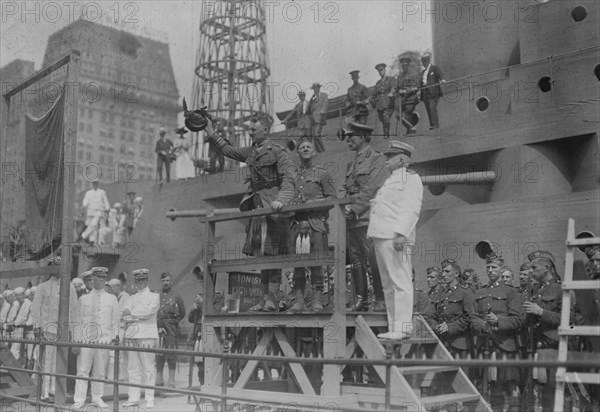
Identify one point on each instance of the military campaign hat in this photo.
(355, 129)
(398, 147)
(380, 66)
(140, 274)
(316, 85)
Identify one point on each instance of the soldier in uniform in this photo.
(498, 317)
(407, 88)
(470, 279)
(271, 185)
(543, 316)
(453, 310)
(364, 176)
(170, 313)
(433, 281)
(525, 279)
(298, 117)
(358, 98)
(309, 228)
(383, 98)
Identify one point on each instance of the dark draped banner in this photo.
(44, 175)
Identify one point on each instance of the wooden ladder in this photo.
(423, 388)
(565, 329)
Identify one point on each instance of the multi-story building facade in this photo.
(128, 92)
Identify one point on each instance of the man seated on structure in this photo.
(309, 228)
(271, 185)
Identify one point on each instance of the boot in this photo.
(171, 383)
(270, 305)
(386, 131)
(379, 306)
(159, 376)
(317, 300)
(299, 303)
(359, 305)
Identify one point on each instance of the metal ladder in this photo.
(566, 330)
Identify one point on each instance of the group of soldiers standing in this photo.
(390, 95)
(500, 321)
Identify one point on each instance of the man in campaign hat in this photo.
(364, 176)
(392, 226)
(99, 314)
(382, 98)
(431, 92)
(163, 149)
(140, 315)
(96, 204)
(407, 88)
(357, 100)
(271, 184)
(317, 111)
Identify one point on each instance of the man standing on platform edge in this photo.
(392, 226)
(271, 178)
(170, 313)
(364, 175)
(163, 151)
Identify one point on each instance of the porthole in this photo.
(545, 84)
(482, 104)
(579, 13)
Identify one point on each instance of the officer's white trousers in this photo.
(15, 347)
(90, 360)
(395, 268)
(49, 382)
(141, 369)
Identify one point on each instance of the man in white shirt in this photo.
(394, 215)
(117, 288)
(32, 349)
(44, 316)
(20, 321)
(99, 313)
(140, 315)
(96, 204)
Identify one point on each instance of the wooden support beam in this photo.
(30, 272)
(273, 262)
(261, 349)
(297, 370)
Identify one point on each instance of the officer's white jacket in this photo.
(100, 315)
(397, 206)
(143, 307)
(95, 201)
(44, 308)
(13, 311)
(23, 314)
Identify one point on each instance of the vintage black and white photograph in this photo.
(300, 205)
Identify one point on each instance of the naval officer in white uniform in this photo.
(99, 312)
(392, 226)
(140, 315)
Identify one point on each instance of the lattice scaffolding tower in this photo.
(232, 66)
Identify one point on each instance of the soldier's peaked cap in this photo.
(86, 275)
(398, 147)
(99, 271)
(359, 129)
(380, 66)
(140, 273)
(354, 73)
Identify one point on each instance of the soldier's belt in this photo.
(262, 185)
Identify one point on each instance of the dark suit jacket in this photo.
(434, 77)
